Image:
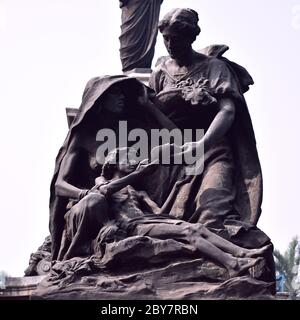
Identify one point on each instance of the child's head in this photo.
(119, 160)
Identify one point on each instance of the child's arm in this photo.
(146, 200)
(121, 183)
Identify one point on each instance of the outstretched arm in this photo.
(63, 187)
(118, 184)
(221, 123)
(218, 128)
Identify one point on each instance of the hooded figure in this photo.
(138, 32)
(76, 166)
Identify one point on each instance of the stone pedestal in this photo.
(19, 288)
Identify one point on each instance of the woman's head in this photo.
(179, 28)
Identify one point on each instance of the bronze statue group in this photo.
(154, 214)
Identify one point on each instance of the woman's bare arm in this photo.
(62, 186)
(218, 128)
(221, 123)
(118, 184)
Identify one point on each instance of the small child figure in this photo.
(112, 197)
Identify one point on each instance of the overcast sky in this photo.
(51, 48)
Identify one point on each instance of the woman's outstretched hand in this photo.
(173, 151)
(146, 166)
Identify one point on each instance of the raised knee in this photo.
(196, 229)
(190, 229)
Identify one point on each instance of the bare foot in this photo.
(247, 265)
(254, 253)
(258, 268)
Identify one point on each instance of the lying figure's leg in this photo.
(225, 245)
(195, 235)
(162, 230)
(235, 266)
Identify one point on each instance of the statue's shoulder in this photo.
(217, 60)
(157, 75)
(160, 65)
(215, 50)
(214, 56)
(161, 61)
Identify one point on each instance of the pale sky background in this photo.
(49, 49)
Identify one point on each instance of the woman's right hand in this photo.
(167, 151)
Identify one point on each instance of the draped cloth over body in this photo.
(138, 33)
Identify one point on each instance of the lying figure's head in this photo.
(121, 161)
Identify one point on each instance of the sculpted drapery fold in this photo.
(138, 33)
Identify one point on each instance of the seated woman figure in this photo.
(201, 91)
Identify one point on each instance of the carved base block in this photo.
(189, 280)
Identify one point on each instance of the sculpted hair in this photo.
(183, 21)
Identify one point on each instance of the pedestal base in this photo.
(19, 288)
